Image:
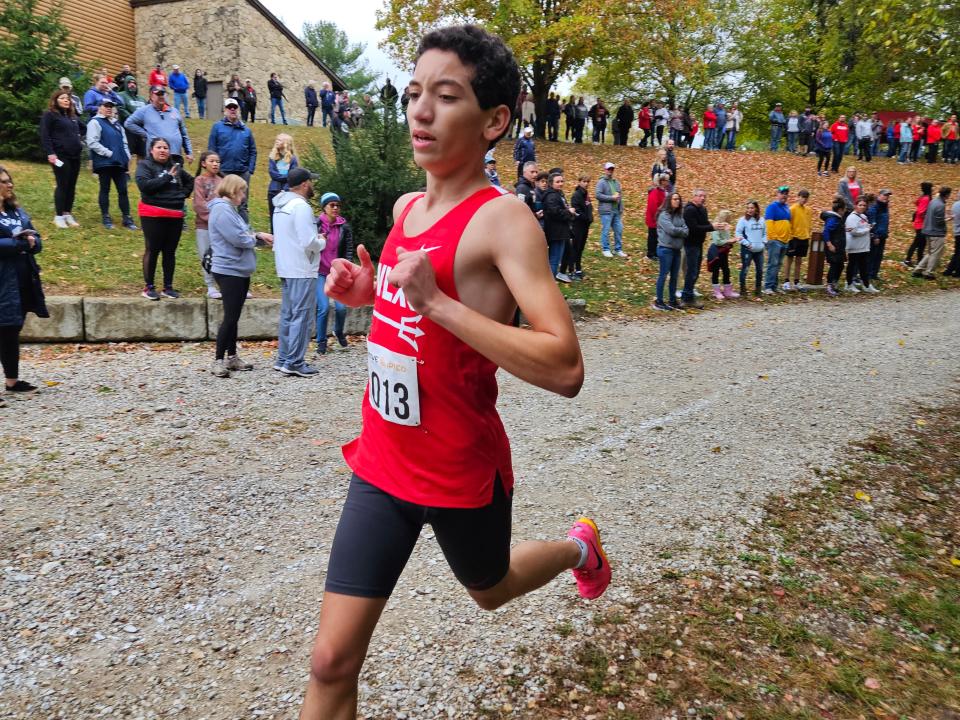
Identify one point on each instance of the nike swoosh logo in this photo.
(599, 556)
(428, 249)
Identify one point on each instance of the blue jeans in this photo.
(298, 300)
(274, 104)
(606, 222)
(731, 139)
(718, 138)
(323, 310)
(709, 137)
(326, 113)
(180, 100)
(202, 107)
(748, 256)
(555, 255)
(694, 257)
(776, 132)
(904, 151)
(775, 255)
(792, 141)
(669, 263)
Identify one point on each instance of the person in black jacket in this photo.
(200, 92)
(579, 229)
(556, 224)
(164, 188)
(275, 87)
(624, 120)
(312, 102)
(526, 187)
(698, 224)
(20, 289)
(62, 141)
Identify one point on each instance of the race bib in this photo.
(392, 385)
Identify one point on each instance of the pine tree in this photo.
(35, 52)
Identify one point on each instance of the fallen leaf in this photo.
(871, 684)
(763, 377)
(815, 343)
(716, 449)
(901, 343)
(920, 422)
(50, 383)
(320, 441)
(955, 562)
(861, 495)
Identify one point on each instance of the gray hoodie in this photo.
(935, 221)
(671, 230)
(231, 239)
(296, 244)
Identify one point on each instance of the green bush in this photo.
(35, 52)
(371, 169)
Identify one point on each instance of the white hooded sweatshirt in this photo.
(296, 244)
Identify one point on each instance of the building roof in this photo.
(335, 79)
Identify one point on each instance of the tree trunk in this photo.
(540, 88)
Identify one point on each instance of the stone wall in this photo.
(224, 38)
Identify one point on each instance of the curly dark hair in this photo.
(496, 76)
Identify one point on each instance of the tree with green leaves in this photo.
(35, 51)
(372, 168)
(550, 38)
(331, 44)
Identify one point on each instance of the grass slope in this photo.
(94, 261)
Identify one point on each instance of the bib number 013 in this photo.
(392, 385)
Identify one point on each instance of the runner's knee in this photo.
(332, 666)
(487, 599)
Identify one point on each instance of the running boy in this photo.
(458, 262)
(799, 245)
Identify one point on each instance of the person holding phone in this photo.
(20, 289)
(164, 187)
(62, 140)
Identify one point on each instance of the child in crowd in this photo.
(579, 227)
(539, 191)
(919, 244)
(835, 240)
(799, 245)
(751, 233)
(204, 190)
(858, 248)
(718, 258)
(283, 159)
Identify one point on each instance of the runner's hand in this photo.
(349, 283)
(414, 275)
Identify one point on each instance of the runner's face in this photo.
(447, 126)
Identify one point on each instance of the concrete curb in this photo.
(93, 320)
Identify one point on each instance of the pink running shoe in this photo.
(594, 576)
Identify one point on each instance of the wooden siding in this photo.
(102, 29)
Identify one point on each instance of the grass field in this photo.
(94, 261)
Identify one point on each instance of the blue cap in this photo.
(329, 197)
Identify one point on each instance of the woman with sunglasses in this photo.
(20, 290)
(335, 228)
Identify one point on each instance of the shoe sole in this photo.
(297, 373)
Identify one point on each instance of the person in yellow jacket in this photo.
(779, 232)
(799, 245)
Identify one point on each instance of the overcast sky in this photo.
(356, 18)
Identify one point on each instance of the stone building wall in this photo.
(228, 37)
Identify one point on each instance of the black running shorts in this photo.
(798, 248)
(377, 532)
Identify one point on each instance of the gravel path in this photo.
(164, 534)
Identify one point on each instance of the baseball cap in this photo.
(65, 82)
(231, 101)
(158, 89)
(885, 191)
(608, 166)
(783, 188)
(107, 101)
(176, 67)
(528, 130)
(299, 175)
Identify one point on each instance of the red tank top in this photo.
(450, 455)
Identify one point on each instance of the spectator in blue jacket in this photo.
(312, 102)
(20, 289)
(778, 123)
(111, 162)
(180, 84)
(95, 95)
(283, 159)
(327, 99)
(524, 150)
(234, 143)
(879, 216)
(721, 125)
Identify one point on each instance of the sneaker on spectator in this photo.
(660, 305)
(219, 368)
(169, 292)
(621, 253)
(233, 362)
(831, 291)
(60, 221)
(301, 370)
(213, 293)
(787, 287)
(108, 222)
(562, 277)
(150, 294)
(71, 220)
(768, 291)
(851, 288)
(872, 289)
(129, 224)
(607, 254)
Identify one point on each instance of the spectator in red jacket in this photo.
(840, 132)
(645, 123)
(934, 135)
(709, 128)
(157, 76)
(919, 244)
(655, 197)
